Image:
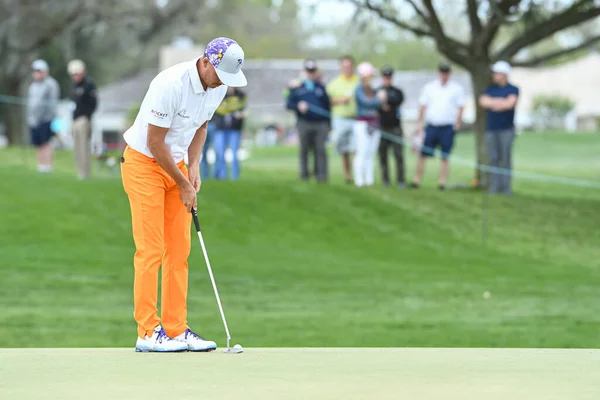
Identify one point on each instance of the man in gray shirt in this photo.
(41, 110)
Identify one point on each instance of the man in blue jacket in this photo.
(309, 99)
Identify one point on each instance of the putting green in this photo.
(333, 373)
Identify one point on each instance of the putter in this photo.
(237, 348)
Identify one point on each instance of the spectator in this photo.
(42, 101)
(229, 121)
(441, 107)
(341, 92)
(389, 117)
(204, 167)
(310, 101)
(84, 97)
(366, 127)
(500, 99)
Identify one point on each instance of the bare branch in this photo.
(572, 16)
(158, 22)
(419, 12)
(472, 7)
(387, 17)
(444, 42)
(532, 62)
(453, 49)
(51, 32)
(436, 25)
(499, 13)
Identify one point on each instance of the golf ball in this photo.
(487, 295)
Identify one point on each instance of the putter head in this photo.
(237, 349)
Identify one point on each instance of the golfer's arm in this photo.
(162, 155)
(195, 149)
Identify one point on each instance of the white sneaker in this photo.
(195, 342)
(159, 342)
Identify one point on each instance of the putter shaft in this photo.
(210, 273)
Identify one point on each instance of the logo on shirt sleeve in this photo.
(182, 113)
(159, 115)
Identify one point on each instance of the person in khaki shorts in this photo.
(84, 96)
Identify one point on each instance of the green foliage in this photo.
(555, 104)
(264, 30)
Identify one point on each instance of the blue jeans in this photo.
(221, 141)
(204, 168)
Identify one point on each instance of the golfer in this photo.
(171, 123)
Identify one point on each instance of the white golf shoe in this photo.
(195, 342)
(159, 342)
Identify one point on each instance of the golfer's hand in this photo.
(195, 180)
(187, 194)
(457, 126)
(302, 107)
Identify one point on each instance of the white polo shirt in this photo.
(442, 102)
(175, 100)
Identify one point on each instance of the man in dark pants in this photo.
(85, 99)
(500, 100)
(390, 125)
(311, 103)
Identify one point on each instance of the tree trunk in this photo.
(480, 80)
(13, 115)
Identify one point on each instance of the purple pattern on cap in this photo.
(216, 48)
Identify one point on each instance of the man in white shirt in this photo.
(171, 123)
(441, 107)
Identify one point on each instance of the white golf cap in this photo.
(40, 65)
(76, 67)
(227, 57)
(501, 67)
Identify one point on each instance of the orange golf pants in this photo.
(161, 232)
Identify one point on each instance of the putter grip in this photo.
(196, 222)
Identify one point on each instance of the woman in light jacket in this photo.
(366, 126)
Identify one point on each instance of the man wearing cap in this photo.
(500, 100)
(84, 96)
(389, 119)
(310, 101)
(42, 101)
(441, 107)
(343, 109)
(171, 123)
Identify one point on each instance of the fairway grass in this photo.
(305, 265)
(281, 373)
